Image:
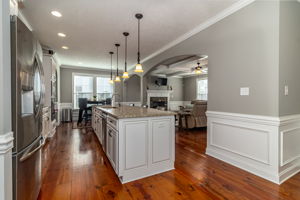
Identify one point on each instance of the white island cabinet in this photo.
(140, 142)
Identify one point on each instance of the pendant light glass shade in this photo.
(111, 81)
(138, 67)
(117, 79)
(198, 69)
(125, 73)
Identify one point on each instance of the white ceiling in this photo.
(94, 26)
(181, 69)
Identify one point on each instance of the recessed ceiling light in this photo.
(56, 13)
(65, 47)
(61, 34)
(80, 63)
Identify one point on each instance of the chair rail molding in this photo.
(6, 142)
(263, 145)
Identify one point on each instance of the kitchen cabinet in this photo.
(46, 122)
(98, 126)
(112, 147)
(50, 98)
(136, 147)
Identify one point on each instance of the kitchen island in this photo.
(139, 142)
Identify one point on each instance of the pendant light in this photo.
(198, 69)
(125, 74)
(138, 67)
(117, 76)
(111, 76)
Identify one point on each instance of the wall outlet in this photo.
(244, 91)
(286, 90)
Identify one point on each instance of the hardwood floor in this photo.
(75, 167)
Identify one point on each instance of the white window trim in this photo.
(197, 88)
(94, 82)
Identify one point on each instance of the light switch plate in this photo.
(286, 90)
(244, 91)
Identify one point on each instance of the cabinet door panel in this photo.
(109, 145)
(161, 140)
(136, 140)
(115, 147)
(100, 130)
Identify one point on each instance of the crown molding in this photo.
(24, 20)
(88, 68)
(6, 142)
(225, 13)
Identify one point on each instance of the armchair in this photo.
(197, 117)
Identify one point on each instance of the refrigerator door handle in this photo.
(28, 155)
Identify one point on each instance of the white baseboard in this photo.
(262, 145)
(6, 145)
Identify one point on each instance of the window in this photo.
(104, 88)
(83, 88)
(88, 86)
(202, 89)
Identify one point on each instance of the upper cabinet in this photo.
(47, 66)
(50, 77)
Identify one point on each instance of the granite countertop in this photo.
(133, 112)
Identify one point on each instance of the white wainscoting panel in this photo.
(290, 145)
(174, 105)
(247, 141)
(6, 144)
(137, 103)
(266, 146)
(240, 140)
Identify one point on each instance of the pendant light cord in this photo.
(125, 53)
(111, 66)
(117, 61)
(138, 41)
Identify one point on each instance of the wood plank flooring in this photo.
(75, 167)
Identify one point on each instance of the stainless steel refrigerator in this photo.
(27, 104)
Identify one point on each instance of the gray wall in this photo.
(177, 87)
(132, 89)
(243, 51)
(5, 82)
(176, 83)
(289, 61)
(190, 87)
(66, 82)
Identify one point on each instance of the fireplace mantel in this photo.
(159, 93)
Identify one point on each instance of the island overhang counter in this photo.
(138, 142)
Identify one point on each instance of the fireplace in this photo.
(159, 99)
(160, 103)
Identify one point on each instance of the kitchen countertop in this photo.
(133, 112)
